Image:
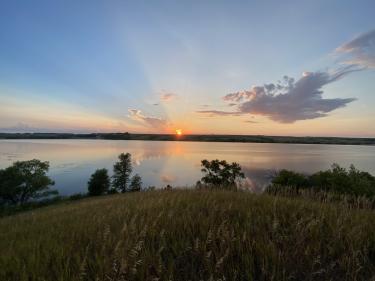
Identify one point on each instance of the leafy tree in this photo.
(221, 174)
(136, 183)
(99, 182)
(121, 172)
(25, 180)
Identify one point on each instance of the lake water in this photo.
(178, 163)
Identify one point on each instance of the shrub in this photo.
(334, 180)
(99, 182)
(290, 178)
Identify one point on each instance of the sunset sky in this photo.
(205, 67)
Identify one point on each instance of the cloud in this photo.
(232, 104)
(167, 178)
(150, 121)
(359, 51)
(213, 113)
(289, 101)
(20, 127)
(251, 121)
(168, 96)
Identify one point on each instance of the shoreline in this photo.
(195, 138)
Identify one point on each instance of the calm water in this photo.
(178, 163)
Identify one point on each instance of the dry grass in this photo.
(189, 235)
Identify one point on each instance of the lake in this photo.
(178, 163)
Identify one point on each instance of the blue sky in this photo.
(157, 66)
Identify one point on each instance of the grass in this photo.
(189, 235)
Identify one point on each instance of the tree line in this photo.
(26, 181)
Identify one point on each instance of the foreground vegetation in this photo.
(206, 138)
(189, 235)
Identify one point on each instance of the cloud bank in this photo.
(360, 51)
(150, 121)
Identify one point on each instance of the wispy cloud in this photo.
(21, 127)
(359, 51)
(167, 178)
(167, 96)
(213, 113)
(150, 121)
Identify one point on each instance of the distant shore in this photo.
(197, 138)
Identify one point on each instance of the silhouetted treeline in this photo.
(202, 138)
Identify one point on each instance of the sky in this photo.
(302, 68)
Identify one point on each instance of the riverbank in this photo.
(189, 235)
(195, 138)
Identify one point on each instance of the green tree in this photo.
(25, 180)
(99, 182)
(136, 183)
(221, 174)
(121, 172)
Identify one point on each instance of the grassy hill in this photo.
(189, 235)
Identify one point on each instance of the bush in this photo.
(77, 196)
(335, 180)
(290, 178)
(99, 182)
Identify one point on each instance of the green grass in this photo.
(189, 235)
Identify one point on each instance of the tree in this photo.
(221, 174)
(99, 182)
(136, 183)
(121, 172)
(25, 180)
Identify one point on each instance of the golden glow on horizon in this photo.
(178, 132)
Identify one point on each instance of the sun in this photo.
(178, 132)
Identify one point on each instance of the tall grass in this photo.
(189, 235)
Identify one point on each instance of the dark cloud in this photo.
(289, 100)
(232, 104)
(251, 121)
(150, 121)
(360, 50)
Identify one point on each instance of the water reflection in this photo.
(178, 163)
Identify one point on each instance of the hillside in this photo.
(188, 235)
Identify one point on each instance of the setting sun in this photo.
(178, 132)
